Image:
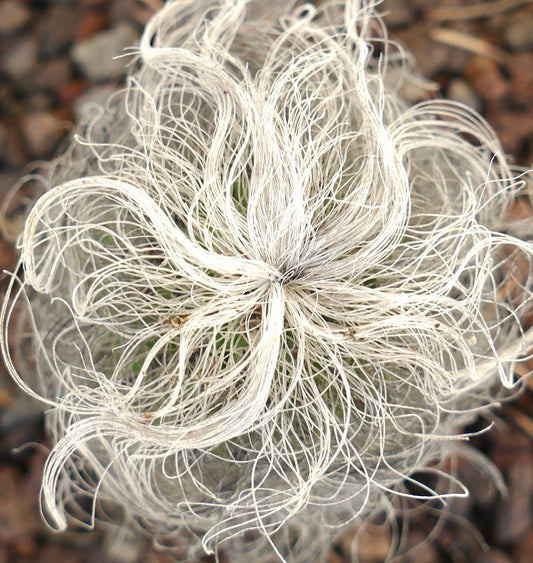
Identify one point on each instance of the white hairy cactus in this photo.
(262, 290)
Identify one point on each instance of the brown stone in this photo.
(13, 16)
(369, 544)
(57, 28)
(521, 69)
(514, 513)
(8, 256)
(495, 556)
(15, 153)
(53, 74)
(512, 127)
(43, 131)
(523, 550)
(486, 78)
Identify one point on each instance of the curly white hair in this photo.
(263, 291)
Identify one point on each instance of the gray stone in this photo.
(94, 55)
(460, 91)
(21, 57)
(13, 16)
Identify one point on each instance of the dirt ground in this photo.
(480, 53)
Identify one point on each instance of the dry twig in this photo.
(484, 10)
(469, 43)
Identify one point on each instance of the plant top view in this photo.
(261, 293)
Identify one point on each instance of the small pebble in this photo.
(15, 153)
(398, 13)
(6, 399)
(523, 550)
(123, 10)
(72, 91)
(487, 79)
(460, 91)
(3, 140)
(17, 510)
(518, 33)
(495, 556)
(92, 3)
(431, 57)
(92, 23)
(480, 486)
(42, 132)
(57, 28)
(514, 514)
(20, 58)
(8, 258)
(373, 543)
(513, 128)
(39, 101)
(422, 5)
(9, 104)
(521, 68)
(509, 446)
(424, 552)
(53, 75)
(14, 15)
(94, 55)
(7, 181)
(418, 548)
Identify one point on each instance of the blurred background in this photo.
(55, 56)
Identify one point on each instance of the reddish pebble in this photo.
(91, 23)
(73, 91)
